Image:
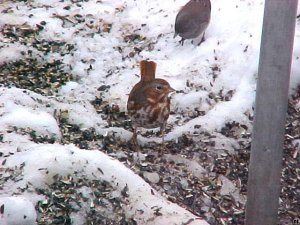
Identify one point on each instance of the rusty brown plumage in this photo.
(148, 69)
(148, 104)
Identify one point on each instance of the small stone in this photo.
(227, 186)
(151, 177)
(184, 183)
(167, 187)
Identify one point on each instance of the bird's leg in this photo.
(133, 140)
(181, 41)
(163, 145)
(202, 39)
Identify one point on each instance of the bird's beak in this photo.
(171, 89)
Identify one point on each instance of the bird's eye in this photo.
(158, 87)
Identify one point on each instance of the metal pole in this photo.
(270, 112)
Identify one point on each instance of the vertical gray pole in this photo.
(270, 112)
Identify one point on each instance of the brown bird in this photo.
(192, 20)
(148, 104)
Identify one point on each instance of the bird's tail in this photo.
(148, 69)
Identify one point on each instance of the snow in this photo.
(231, 46)
(52, 159)
(17, 210)
(11, 52)
(68, 87)
(41, 122)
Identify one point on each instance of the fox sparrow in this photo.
(192, 20)
(149, 102)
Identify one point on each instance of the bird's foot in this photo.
(162, 149)
(181, 41)
(133, 144)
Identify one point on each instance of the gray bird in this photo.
(192, 20)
